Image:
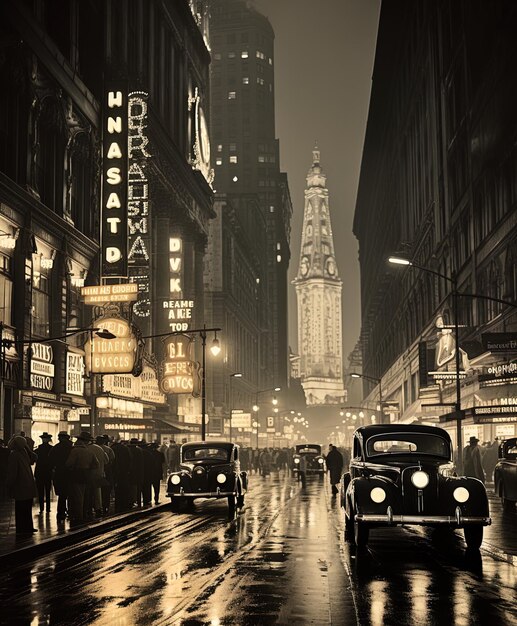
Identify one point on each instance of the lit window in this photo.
(244, 54)
(261, 159)
(235, 179)
(231, 95)
(270, 61)
(270, 87)
(219, 147)
(233, 147)
(218, 161)
(271, 208)
(260, 81)
(278, 247)
(245, 80)
(278, 258)
(233, 159)
(231, 55)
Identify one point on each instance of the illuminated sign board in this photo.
(114, 228)
(74, 383)
(241, 419)
(99, 294)
(177, 309)
(138, 202)
(499, 342)
(179, 313)
(112, 356)
(144, 387)
(179, 373)
(42, 366)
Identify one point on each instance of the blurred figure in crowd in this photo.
(136, 472)
(472, 460)
(109, 472)
(80, 465)
(43, 472)
(21, 484)
(334, 460)
(57, 458)
(122, 473)
(158, 459)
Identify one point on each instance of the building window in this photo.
(231, 95)
(233, 159)
(260, 81)
(261, 158)
(233, 147)
(218, 161)
(6, 289)
(219, 147)
(231, 55)
(40, 297)
(245, 80)
(244, 54)
(270, 60)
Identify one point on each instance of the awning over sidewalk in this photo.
(175, 427)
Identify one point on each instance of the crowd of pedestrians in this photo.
(90, 477)
(480, 461)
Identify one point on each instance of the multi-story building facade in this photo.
(246, 163)
(438, 187)
(318, 292)
(154, 59)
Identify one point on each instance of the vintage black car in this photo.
(313, 456)
(208, 469)
(505, 474)
(402, 474)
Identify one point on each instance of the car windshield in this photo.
(309, 450)
(407, 443)
(205, 454)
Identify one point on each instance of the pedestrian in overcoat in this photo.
(156, 472)
(122, 472)
(21, 484)
(472, 460)
(58, 456)
(43, 472)
(81, 463)
(136, 475)
(147, 479)
(334, 460)
(109, 472)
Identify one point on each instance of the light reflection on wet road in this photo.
(282, 561)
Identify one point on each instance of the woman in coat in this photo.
(21, 484)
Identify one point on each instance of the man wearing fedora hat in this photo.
(43, 472)
(472, 460)
(80, 464)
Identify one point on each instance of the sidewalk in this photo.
(53, 535)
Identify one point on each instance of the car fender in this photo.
(476, 505)
(358, 495)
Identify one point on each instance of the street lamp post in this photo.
(214, 349)
(232, 376)
(376, 381)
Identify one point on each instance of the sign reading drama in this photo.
(74, 383)
(114, 228)
(42, 366)
(180, 374)
(138, 202)
(112, 356)
(99, 294)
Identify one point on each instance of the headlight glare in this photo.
(221, 478)
(460, 494)
(420, 479)
(297, 460)
(175, 479)
(377, 494)
(320, 461)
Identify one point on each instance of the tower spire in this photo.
(316, 154)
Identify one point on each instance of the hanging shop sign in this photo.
(42, 366)
(112, 356)
(494, 409)
(75, 368)
(138, 202)
(150, 388)
(144, 387)
(499, 342)
(114, 229)
(179, 373)
(241, 419)
(43, 413)
(100, 294)
(177, 310)
(179, 313)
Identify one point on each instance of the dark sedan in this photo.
(505, 474)
(402, 474)
(208, 469)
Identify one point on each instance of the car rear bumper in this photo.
(451, 520)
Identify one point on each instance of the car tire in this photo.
(175, 505)
(508, 505)
(361, 532)
(232, 506)
(473, 536)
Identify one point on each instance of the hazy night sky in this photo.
(324, 51)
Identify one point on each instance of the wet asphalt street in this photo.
(282, 561)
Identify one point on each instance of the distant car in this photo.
(402, 474)
(208, 469)
(505, 474)
(313, 456)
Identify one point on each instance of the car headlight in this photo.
(377, 494)
(460, 494)
(420, 479)
(221, 478)
(297, 460)
(175, 479)
(320, 461)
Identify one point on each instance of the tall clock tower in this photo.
(318, 293)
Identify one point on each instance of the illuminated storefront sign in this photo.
(42, 366)
(43, 413)
(180, 374)
(112, 356)
(179, 313)
(74, 383)
(178, 310)
(114, 184)
(99, 294)
(138, 202)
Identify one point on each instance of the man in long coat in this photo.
(43, 472)
(334, 460)
(21, 484)
(472, 460)
(58, 456)
(81, 463)
(121, 474)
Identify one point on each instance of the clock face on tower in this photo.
(331, 266)
(304, 266)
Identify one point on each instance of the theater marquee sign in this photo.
(179, 373)
(112, 356)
